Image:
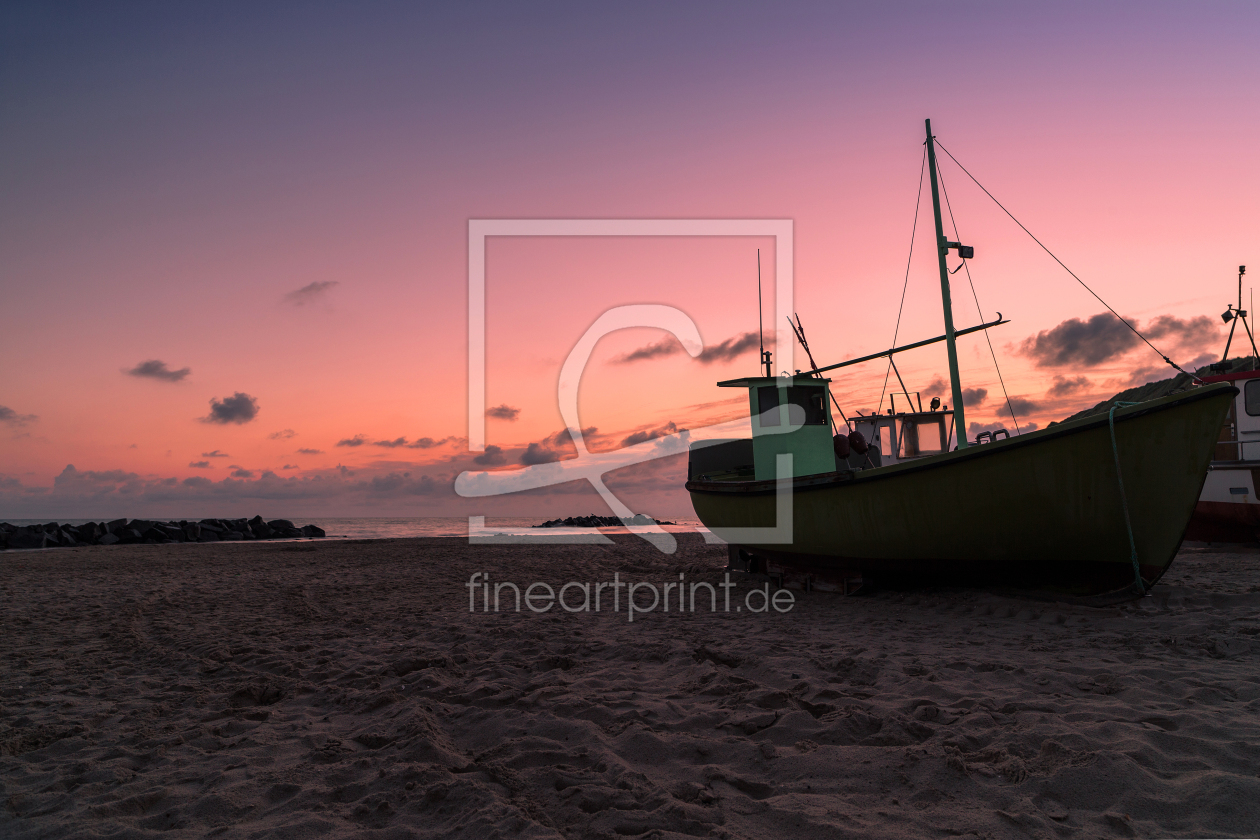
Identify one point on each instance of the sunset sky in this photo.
(235, 237)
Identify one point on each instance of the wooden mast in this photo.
(942, 248)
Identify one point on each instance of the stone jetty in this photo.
(600, 522)
(152, 532)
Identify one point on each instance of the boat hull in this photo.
(1042, 509)
(1225, 522)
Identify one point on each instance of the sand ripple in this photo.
(344, 689)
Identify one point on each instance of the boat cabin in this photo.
(792, 414)
(1240, 435)
(789, 414)
(905, 436)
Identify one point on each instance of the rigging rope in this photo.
(917, 200)
(979, 312)
(1065, 268)
(1124, 502)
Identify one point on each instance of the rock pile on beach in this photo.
(54, 535)
(594, 521)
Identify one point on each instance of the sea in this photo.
(378, 527)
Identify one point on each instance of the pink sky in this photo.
(171, 180)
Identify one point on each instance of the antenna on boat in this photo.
(761, 338)
(1242, 269)
(1232, 315)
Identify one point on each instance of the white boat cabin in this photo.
(1236, 462)
(905, 436)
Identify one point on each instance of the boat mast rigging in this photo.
(903, 348)
(942, 249)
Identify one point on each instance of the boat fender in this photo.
(1001, 432)
(841, 444)
(857, 442)
(984, 437)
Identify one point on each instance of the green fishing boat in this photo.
(1094, 508)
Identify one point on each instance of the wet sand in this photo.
(343, 689)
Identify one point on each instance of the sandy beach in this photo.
(344, 689)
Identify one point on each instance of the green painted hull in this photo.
(1043, 509)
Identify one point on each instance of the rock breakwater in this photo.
(601, 522)
(55, 535)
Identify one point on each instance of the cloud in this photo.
(537, 453)
(238, 408)
(974, 396)
(553, 447)
(429, 443)
(310, 293)
(419, 443)
(1075, 342)
(402, 484)
(971, 397)
(93, 478)
(730, 349)
(1022, 406)
(493, 456)
(655, 488)
(290, 467)
(1149, 373)
(1188, 335)
(1063, 386)
(201, 465)
(310, 452)
(669, 346)
(157, 369)
(650, 434)
(11, 418)
(503, 412)
(242, 473)
(284, 434)
(1103, 338)
(215, 454)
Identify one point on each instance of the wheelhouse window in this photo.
(812, 402)
(1251, 397)
(922, 436)
(768, 405)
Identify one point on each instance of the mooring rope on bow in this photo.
(1124, 501)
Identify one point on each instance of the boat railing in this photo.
(1237, 450)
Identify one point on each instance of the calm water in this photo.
(410, 526)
